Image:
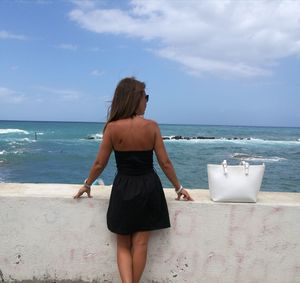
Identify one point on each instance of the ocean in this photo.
(63, 152)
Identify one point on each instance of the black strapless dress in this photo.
(137, 201)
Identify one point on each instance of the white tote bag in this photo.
(235, 183)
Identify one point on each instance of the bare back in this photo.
(133, 134)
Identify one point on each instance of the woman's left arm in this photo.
(100, 162)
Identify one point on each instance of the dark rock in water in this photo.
(188, 138)
(178, 137)
(201, 138)
(235, 138)
(205, 138)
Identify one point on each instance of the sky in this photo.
(204, 62)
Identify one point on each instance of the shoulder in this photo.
(116, 126)
(111, 125)
(108, 128)
(151, 124)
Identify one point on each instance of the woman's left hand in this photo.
(185, 194)
(83, 190)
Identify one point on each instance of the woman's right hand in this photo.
(185, 194)
(83, 190)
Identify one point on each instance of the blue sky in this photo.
(204, 62)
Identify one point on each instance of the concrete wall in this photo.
(47, 236)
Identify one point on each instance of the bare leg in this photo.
(139, 254)
(124, 258)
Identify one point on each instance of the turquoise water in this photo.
(64, 152)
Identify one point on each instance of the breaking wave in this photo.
(248, 157)
(94, 137)
(13, 131)
(212, 139)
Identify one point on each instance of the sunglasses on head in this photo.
(147, 97)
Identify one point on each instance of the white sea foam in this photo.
(191, 140)
(95, 137)
(248, 157)
(27, 140)
(13, 131)
(18, 152)
(230, 140)
(4, 152)
(262, 141)
(13, 144)
(278, 142)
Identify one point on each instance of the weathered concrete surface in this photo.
(46, 236)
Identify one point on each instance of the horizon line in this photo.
(160, 123)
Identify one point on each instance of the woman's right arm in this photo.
(102, 157)
(166, 164)
(99, 163)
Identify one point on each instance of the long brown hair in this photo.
(126, 100)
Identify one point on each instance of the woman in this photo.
(137, 203)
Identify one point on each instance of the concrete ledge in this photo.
(46, 236)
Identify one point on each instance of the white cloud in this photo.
(70, 47)
(63, 94)
(232, 38)
(97, 73)
(11, 96)
(9, 35)
(196, 65)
